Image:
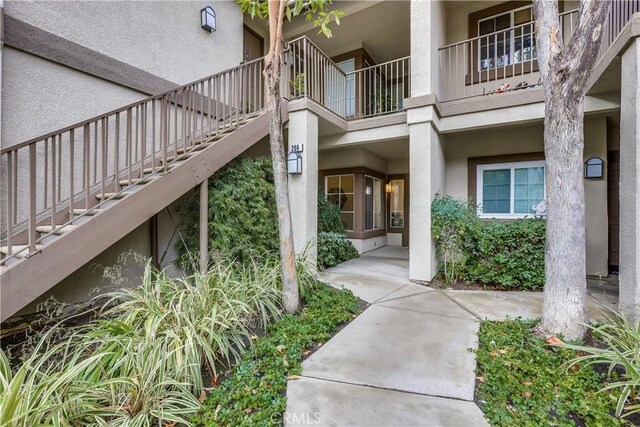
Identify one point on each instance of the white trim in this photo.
(511, 166)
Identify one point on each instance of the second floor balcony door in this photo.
(341, 91)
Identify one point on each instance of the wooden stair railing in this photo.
(50, 183)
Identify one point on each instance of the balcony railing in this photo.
(367, 92)
(506, 60)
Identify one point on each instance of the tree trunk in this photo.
(291, 299)
(565, 290)
(565, 71)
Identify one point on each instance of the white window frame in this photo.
(512, 40)
(512, 166)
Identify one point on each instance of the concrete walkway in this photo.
(404, 361)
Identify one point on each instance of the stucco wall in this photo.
(527, 139)
(352, 157)
(161, 38)
(40, 96)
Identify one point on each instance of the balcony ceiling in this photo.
(381, 27)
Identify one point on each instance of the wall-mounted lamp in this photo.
(294, 163)
(387, 188)
(208, 19)
(594, 168)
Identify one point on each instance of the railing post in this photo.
(10, 167)
(305, 77)
(204, 225)
(32, 198)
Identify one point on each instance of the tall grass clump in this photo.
(620, 352)
(143, 360)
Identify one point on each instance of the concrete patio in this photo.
(405, 359)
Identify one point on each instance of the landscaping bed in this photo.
(255, 391)
(522, 380)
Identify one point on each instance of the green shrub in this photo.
(620, 352)
(334, 248)
(255, 394)
(329, 219)
(243, 219)
(522, 381)
(498, 252)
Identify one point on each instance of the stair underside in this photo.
(76, 245)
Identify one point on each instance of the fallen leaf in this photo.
(502, 351)
(305, 352)
(293, 377)
(526, 394)
(527, 383)
(554, 341)
(285, 362)
(493, 354)
(203, 396)
(481, 379)
(214, 380)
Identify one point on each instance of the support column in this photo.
(630, 182)
(204, 225)
(303, 188)
(426, 174)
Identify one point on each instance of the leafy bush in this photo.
(333, 245)
(621, 353)
(334, 248)
(507, 253)
(243, 219)
(255, 394)
(329, 220)
(523, 381)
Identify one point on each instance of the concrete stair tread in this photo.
(17, 248)
(58, 229)
(87, 211)
(137, 181)
(111, 195)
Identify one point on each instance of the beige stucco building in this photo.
(408, 99)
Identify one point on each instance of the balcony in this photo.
(505, 61)
(351, 94)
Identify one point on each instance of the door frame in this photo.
(395, 230)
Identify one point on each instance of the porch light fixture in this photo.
(387, 188)
(594, 168)
(294, 163)
(208, 19)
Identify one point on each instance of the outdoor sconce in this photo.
(294, 163)
(593, 168)
(208, 19)
(387, 188)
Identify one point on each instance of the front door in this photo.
(398, 208)
(252, 45)
(252, 48)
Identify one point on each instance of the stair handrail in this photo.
(126, 107)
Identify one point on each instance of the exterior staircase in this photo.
(70, 194)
